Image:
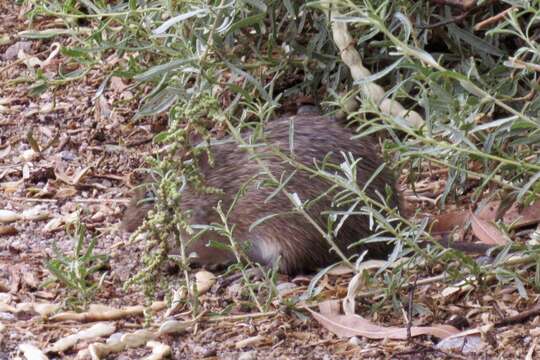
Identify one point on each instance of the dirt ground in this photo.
(64, 152)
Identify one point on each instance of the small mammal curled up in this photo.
(289, 237)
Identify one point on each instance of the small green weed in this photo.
(76, 271)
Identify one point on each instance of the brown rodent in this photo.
(289, 237)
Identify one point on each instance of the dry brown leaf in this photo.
(340, 270)
(251, 341)
(487, 232)
(7, 216)
(7, 308)
(118, 342)
(461, 287)
(46, 309)
(29, 155)
(35, 213)
(65, 192)
(137, 338)
(32, 352)
(98, 312)
(117, 84)
(447, 222)
(176, 302)
(523, 217)
(99, 350)
(5, 151)
(11, 186)
(33, 61)
(515, 216)
(355, 325)
(7, 230)
(30, 278)
(74, 179)
(204, 280)
(95, 331)
(11, 52)
(357, 282)
(174, 326)
(471, 344)
(159, 351)
(58, 222)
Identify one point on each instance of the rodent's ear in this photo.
(139, 206)
(195, 138)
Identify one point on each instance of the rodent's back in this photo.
(289, 237)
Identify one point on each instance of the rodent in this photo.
(289, 237)
(300, 247)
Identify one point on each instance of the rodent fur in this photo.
(289, 237)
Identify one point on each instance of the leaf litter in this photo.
(75, 167)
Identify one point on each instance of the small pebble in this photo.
(249, 355)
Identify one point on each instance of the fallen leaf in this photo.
(176, 302)
(46, 309)
(204, 280)
(340, 270)
(7, 216)
(487, 232)
(471, 344)
(36, 213)
(57, 223)
(5, 152)
(12, 51)
(355, 325)
(8, 230)
(523, 217)
(97, 312)
(100, 350)
(137, 338)
(116, 343)
(515, 216)
(449, 221)
(75, 179)
(461, 287)
(117, 84)
(95, 331)
(159, 351)
(33, 61)
(357, 282)
(32, 352)
(174, 326)
(11, 186)
(29, 155)
(30, 278)
(251, 341)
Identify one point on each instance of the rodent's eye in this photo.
(149, 195)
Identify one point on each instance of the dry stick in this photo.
(535, 310)
(470, 9)
(20, 61)
(139, 142)
(455, 19)
(426, 350)
(410, 289)
(76, 200)
(16, 198)
(464, 4)
(496, 18)
(372, 91)
(512, 261)
(242, 317)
